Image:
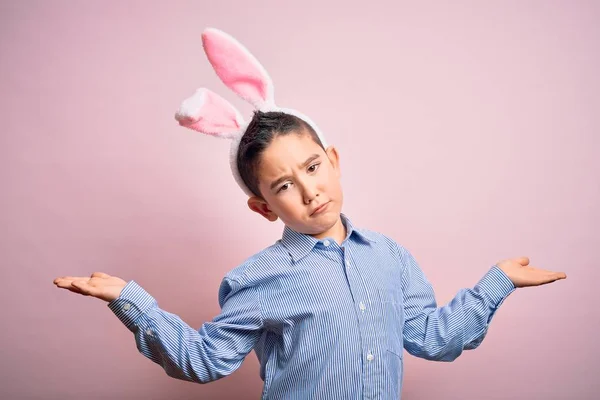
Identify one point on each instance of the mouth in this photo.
(320, 209)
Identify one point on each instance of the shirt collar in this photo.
(300, 244)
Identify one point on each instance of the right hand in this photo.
(99, 285)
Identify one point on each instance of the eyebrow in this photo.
(304, 164)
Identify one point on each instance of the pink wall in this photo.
(490, 117)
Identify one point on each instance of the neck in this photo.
(337, 232)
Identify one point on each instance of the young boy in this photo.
(329, 308)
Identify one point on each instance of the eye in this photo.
(283, 188)
(316, 167)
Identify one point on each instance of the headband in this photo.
(209, 113)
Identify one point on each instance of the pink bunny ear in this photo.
(238, 68)
(209, 113)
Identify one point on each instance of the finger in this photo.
(71, 278)
(100, 275)
(73, 289)
(67, 280)
(551, 277)
(65, 284)
(84, 288)
(544, 271)
(559, 275)
(62, 283)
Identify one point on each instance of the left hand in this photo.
(522, 274)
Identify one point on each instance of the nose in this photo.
(309, 193)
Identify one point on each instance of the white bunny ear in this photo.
(238, 68)
(209, 113)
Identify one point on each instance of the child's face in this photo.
(296, 177)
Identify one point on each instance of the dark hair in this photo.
(264, 127)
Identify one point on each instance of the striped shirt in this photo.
(326, 321)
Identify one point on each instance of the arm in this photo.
(215, 350)
(441, 333)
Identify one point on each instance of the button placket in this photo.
(358, 290)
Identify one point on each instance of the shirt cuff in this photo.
(496, 285)
(131, 304)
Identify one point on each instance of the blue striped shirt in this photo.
(326, 321)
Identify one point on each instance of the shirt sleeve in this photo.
(442, 333)
(215, 350)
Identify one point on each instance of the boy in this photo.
(329, 308)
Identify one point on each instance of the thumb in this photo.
(100, 275)
(522, 260)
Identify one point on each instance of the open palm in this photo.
(522, 274)
(99, 285)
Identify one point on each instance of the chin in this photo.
(327, 222)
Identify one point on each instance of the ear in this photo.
(334, 159)
(261, 207)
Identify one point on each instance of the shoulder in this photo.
(388, 243)
(259, 264)
(246, 278)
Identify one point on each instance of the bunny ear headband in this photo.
(209, 113)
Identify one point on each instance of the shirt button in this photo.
(326, 242)
(127, 306)
(362, 306)
(370, 357)
(149, 332)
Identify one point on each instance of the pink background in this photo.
(467, 131)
